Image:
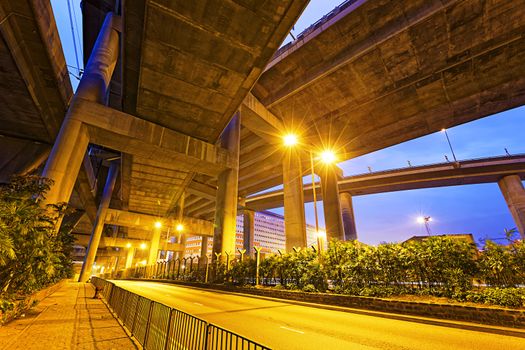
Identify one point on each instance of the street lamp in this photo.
(128, 245)
(143, 246)
(290, 140)
(179, 227)
(449, 144)
(425, 220)
(158, 224)
(328, 157)
(321, 237)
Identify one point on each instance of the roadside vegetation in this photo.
(434, 267)
(32, 254)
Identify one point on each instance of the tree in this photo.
(32, 254)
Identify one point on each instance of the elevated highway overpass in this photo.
(182, 105)
(464, 172)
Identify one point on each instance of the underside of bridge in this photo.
(165, 78)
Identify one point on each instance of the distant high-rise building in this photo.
(269, 234)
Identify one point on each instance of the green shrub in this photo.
(32, 254)
(510, 297)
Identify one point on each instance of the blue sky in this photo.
(477, 209)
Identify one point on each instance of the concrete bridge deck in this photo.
(465, 172)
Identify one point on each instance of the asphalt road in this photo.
(282, 325)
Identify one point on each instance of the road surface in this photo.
(282, 325)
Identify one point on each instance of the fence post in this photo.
(208, 334)
(242, 251)
(257, 262)
(206, 273)
(148, 323)
(166, 346)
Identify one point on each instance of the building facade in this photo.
(269, 235)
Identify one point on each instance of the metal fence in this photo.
(160, 327)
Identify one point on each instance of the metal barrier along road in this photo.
(160, 327)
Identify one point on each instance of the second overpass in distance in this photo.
(467, 172)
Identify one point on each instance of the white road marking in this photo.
(198, 304)
(292, 330)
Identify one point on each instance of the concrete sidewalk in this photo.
(67, 319)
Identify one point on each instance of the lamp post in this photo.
(449, 144)
(314, 192)
(425, 220)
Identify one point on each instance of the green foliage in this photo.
(436, 266)
(241, 273)
(510, 297)
(32, 254)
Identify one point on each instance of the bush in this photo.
(32, 254)
(510, 297)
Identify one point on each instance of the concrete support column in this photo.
(333, 219)
(294, 220)
(154, 246)
(94, 240)
(70, 146)
(226, 206)
(204, 246)
(249, 231)
(347, 212)
(514, 193)
(129, 257)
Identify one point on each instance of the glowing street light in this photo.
(143, 246)
(158, 224)
(321, 237)
(128, 245)
(425, 220)
(290, 140)
(328, 157)
(179, 227)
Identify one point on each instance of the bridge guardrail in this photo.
(159, 327)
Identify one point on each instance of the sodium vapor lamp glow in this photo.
(143, 246)
(128, 245)
(290, 140)
(179, 227)
(328, 157)
(158, 224)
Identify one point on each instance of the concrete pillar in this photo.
(294, 220)
(129, 257)
(154, 246)
(226, 205)
(180, 218)
(99, 222)
(70, 146)
(514, 193)
(249, 231)
(329, 174)
(347, 212)
(204, 246)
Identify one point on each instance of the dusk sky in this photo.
(477, 209)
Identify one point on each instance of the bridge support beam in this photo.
(71, 144)
(347, 212)
(512, 189)
(154, 246)
(99, 222)
(204, 246)
(249, 231)
(227, 192)
(129, 257)
(294, 219)
(329, 175)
